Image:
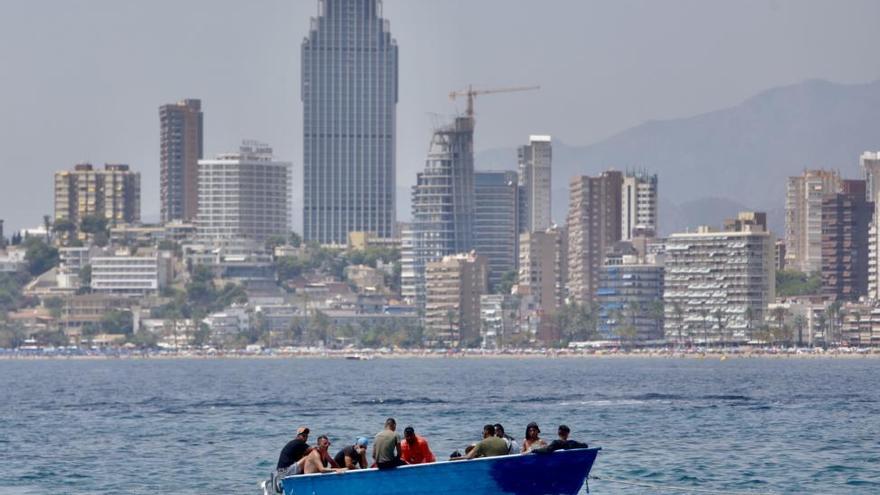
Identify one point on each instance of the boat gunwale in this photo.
(428, 464)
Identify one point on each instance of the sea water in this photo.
(217, 426)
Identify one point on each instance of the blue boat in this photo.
(559, 473)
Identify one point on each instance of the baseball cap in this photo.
(362, 441)
(302, 430)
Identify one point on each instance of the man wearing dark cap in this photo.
(562, 443)
(295, 449)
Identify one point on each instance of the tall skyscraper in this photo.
(113, 194)
(803, 218)
(349, 95)
(535, 161)
(443, 200)
(496, 224)
(181, 138)
(846, 219)
(638, 206)
(244, 195)
(593, 226)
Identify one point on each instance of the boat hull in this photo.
(560, 473)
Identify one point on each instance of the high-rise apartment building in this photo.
(846, 220)
(870, 161)
(593, 226)
(349, 95)
(638, 206)
(543, 272)
(443, 200)
(452, 310)
(535, 180)
(244, 195)
(496, 234)
(181, 141)
(630, 298)
(803, 218)
(113, 193)
(717, 285)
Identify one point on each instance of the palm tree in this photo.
(679, 319)
(833, 313)
(750, 315)
(704, 314)
(799, 323)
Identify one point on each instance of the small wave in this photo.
(728, 397)
(399, 402)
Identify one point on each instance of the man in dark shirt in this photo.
(562, 443)
(353, 456)
(294, 450)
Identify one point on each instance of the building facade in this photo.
(496, 231)
(535, 181)
(543, 273)
(630, 298)
(638, 206)
(244, 195)
(113, 193)
(443, 200)
(803, 218)
(452, 310)
(349, 95)
(870, 162)
(846, 222)
(717, 285)
(594, 217)
(181, 146)
(126, 275)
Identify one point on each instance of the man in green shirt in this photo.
(386, 446)
(489, 446)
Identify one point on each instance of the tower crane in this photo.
(472, 93)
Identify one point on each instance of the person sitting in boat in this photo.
(353, 456)
(532, 440)
(511, 443)
(318, 460)
(414, 449)
(294, 450)
(562, 443)
(386, 446)
(489, 446)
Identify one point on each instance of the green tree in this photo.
(288, 268)
(794, 283)
(295, 240)
(117, 322)
(679, 321)
(40, 257)
(54, 305)
(508, 280)
(93, 224)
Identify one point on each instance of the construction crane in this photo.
(472, 93)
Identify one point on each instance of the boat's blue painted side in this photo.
(560, 473)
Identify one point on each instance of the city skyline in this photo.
(246, 111)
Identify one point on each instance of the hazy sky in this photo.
(82, 80)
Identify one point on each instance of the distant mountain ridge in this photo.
(714, 163)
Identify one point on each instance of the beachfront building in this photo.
(803, 218)
(717, 285)
(630, 296)
(244, 195)
(846, 220)
(638, 206)
(452, 310)
(543, 274)
(594, 218)
(535, 180)
(496, 235)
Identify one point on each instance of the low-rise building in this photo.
(131, 275)
(365, 277)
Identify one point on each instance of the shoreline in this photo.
(369, 355)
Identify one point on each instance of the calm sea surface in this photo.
(216, 426)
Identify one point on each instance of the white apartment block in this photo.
(244, 195)
(131, 275)
(803, 218)
(638, 206)
(870, 161)
(535, 179)
(710, 274)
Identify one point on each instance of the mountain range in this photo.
(714, 164)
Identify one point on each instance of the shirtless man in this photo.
(314, 462)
